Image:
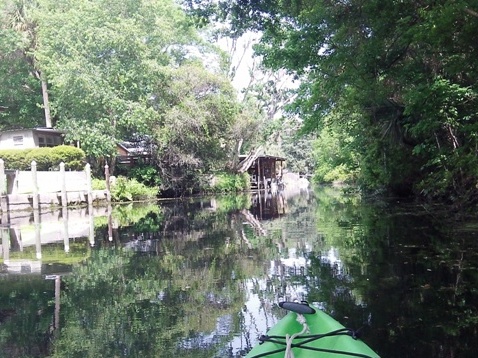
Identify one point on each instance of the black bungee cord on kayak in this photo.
(308, 339)
(304, 308)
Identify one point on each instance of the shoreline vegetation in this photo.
(369, 93)
(125, 189)
(130, 189)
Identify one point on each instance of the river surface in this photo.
(202, 277)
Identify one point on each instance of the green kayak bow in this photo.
(307, 332)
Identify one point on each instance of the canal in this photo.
(202, 277)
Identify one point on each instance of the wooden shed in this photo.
(129, 153)
(265, 171)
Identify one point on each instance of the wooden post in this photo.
(260, 204)
(56, 324)
(274, 172)
(5, 233)
(66, 236)
(3, 188)
(36, 195)
(3, 179)
(88, 184)
(36, 221)
(264, 180)
(64, 199)
(259, 174)
(110, 223)
(91, 233)
(107, 179)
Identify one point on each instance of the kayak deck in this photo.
(325, 338)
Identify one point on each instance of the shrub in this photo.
(226, 183)
(15, 158)
(41, 156)
(46, 158)
(146, 174)
(242, 182)
(74, 158)
(125, 189)
(98, 184)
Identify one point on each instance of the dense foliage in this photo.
(123, 189)
(230, 183)
(110, 71)
(20, 88)
(193, 135)
(387, 88)
(396, 78)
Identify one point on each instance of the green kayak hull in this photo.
(336, 346)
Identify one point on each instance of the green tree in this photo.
(193, 133)
(138, 69)
(264, 95)
(23, 88)
(104, 57)
(407, 68)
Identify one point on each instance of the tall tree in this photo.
(194, 127)
(265, 94)
(104, 57)
(22, 81)
(407, 68)
(138, 68)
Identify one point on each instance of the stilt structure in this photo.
(265, 171)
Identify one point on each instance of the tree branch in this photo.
(471, 12)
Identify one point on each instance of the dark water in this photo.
(201, 278)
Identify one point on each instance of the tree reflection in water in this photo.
(202, 278)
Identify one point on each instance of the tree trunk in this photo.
(247, 162)
(46, 104)
(46, 101)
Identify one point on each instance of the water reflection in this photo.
(30, 241)
(201, 277)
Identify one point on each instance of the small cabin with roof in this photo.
(31, 138)
(131, 153)
(265, 171)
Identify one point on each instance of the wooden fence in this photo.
(21, 190)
